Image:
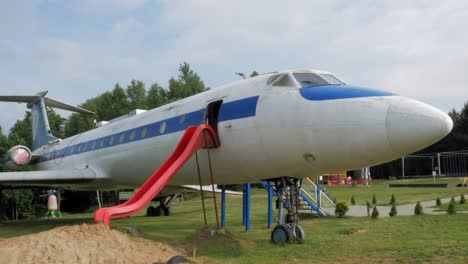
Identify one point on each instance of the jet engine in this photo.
(17, 157)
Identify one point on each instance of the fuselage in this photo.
(269, 126)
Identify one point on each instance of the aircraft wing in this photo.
(49, 177)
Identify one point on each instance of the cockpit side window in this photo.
(309, 79)
(332, 78)
(284, 79)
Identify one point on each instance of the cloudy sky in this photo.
(78, 49)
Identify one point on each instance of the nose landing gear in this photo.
(287, 230)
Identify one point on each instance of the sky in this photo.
(79, 49)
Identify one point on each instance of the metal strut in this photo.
(212, 184)
(201, 190)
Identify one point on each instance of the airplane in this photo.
(278, 127)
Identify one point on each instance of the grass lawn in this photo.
(403, 195)
(401, 239)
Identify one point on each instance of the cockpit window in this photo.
(306, 78)
(332, 78)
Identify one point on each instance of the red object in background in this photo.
(194, 138)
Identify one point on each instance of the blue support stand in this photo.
(223, 207)
(246, 206)
(270, 206)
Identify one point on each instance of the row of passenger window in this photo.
(99, 143)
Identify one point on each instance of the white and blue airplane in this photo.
(281, 126)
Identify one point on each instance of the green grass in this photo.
(401, 239)
(403, 195)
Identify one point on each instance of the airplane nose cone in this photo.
(412, 125)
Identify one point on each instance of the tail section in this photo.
(39, 121)
(194, 139)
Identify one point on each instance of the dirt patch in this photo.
(83, 244)
(360, 231)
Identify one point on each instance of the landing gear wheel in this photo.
(159, 211)
(167, 211)
(300, 235)
(281, 234)
(150, 211)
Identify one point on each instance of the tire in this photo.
(167, 211)
(177, 260)
(300, 235)
(159, 211)
(150, 211)
(281, 235)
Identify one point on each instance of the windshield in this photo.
(332, 78)
(307, 78)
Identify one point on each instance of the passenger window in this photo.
(162, 128)
(132, 135)
(122, 137)
(143, 132)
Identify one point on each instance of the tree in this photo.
(393, 211)
(418, 209)
(393, 199)
(451, 207)
(374, 200)
(353, 201)
(375, 213)
(157, 96)
(254, 73)
(188, 83)
(19, 201)
(341, 208)
(136, 94)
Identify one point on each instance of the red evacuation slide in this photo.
(194, 138)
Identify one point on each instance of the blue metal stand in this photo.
(270, 206)
(246, 206)
(223, 207)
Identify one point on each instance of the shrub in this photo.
(341, 209)
(393, 211)
(375, 213)
(374, 200)
(462, 199)
(451, 207)
(353, 201)
(438, 202)
(418, 209)
(393, 200)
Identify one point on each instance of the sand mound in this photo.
(83, 244)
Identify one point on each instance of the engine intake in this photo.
(17, 157)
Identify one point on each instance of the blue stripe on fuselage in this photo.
(242, 108)
(333, 92)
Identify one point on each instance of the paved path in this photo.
(406, 209)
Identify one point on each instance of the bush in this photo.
(393, 200)
(438, 202)
(462, 199)
(393, 211)
(375, 213)
(341, 209)
(353, 201)
(418, 209)
(451, 207)
(374, 200)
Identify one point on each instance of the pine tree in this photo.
(438, 202)
(375, 213)
(353, 201)
(462, 199)
(393, 200)
(393, 211)
(418, 209)
(451, 207)
(374, 200)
